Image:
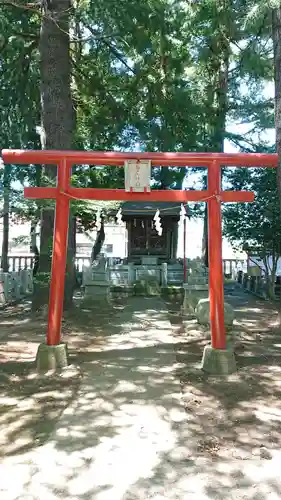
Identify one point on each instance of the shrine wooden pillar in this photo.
(184, 252)
(216, 281)
(60, 242)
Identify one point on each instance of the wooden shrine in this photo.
(143, 239)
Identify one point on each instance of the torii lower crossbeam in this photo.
(64, 193)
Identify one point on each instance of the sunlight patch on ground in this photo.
(15, 322)
(126, 435)
(136, 339)
(268, 414)
(143, 435)
(250, 310)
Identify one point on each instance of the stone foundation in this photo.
(96, 282)
(121, 292)
(51, 357)
(147, 288)
(98, 292)
(218, 361)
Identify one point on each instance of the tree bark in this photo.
(57, 129)
(33, 245)
(218, 111)
(6, 211)
(276, 37)
(98, 244)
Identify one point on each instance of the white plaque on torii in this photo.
(137, 175)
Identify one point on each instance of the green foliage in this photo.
(86, 213)
(19, 77)
(153, 75)
(255, 226)
(42, 279)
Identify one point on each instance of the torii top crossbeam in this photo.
(64, 192)
(158, 159)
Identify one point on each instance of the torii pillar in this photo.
(217, 358)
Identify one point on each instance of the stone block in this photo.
(192, 295)
(30, 286)
(164, 274)
(218, 361)
(2, 290)
(148, 260)
(98, 292)
(147, 288)
(120, 292)
(26, 282)
(96, 283)
(202, 313)
(51, 357)
(119, 277)
(145, 273)
(86, 275)
(94, 275)
(131, 273)
(197, 280)
(8, 287)
(15, 285)
(153, 288)
(23, 286)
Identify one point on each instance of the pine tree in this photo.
(256, 227)
(276, 35)
(57, 128)
(154, 75)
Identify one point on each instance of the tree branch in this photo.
(111, 48)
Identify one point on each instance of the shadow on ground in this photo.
(238, 417)
(126, 435)
(30, 405)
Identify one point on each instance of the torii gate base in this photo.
(217, 359)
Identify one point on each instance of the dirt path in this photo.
(145, 423)
(238, 417)
(124, 427)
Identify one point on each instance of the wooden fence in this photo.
(257, 284)
(15, 285)
(25, 261)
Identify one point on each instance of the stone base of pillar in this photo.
(218, 361)
(51, 357)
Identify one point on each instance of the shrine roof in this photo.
(147, 208)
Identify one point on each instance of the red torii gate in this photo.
(63, 193)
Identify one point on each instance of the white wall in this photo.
(194, 234)
(114, 235)
(117, 236)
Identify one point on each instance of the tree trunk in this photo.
(6, 210)
(218, 105)
(270, 285)
(276, 36)
(33, 245)
(217, 141)
(270, 273)
(58, 124)
(99, 241)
